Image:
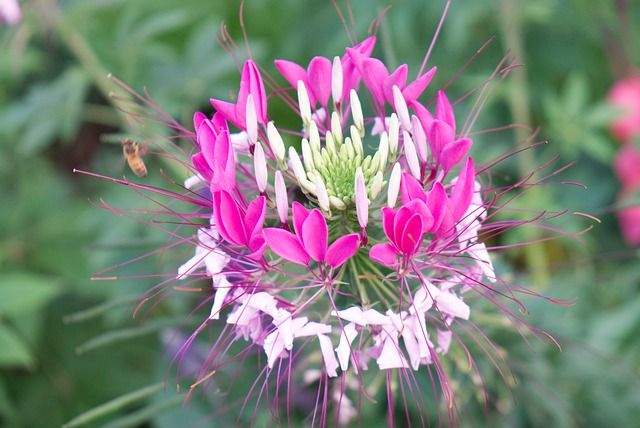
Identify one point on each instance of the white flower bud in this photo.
(336, 80)
(303, 102)
(394, 185)
(394, 134)
(356, 111)
(401, 107)
(383, 149)
(322, 194)
(252, 120)
(376, 185)
(362, 202)
(296, 164)
(336, 127)
(419, 138)
(307, 156)
(314, 137)
(356, 141)
(410, 154)
(260, 167)
(275, 141)
(282, 200)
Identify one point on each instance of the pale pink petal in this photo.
(312, 329)
(273, 347)
(342, 249)
(391, 355)
(424, 115)
(413, 91)
(385, 254)
(286, 245)
(314, 235)
(222, 287)
(343, 350)
(444, 340)
(319, 78)
(329, 357)
(413, 350)
(452, 305)
(353, 314)
(373, 317)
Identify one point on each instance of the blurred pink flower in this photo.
(629, 218)
(10, 12)
(627, 166)
(626, 95)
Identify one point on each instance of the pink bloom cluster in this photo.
(625, 95)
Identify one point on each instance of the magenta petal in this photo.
(342, 249)
(224, 170)
(384, 254)
(251, 83)
(300, 214)
(424, 115)
(397, 78)
(286, 245)
(228, 218)
(419, 207)
(441, 135)
(413, 91)
(293, 73)
(444, 110)
(399, 223)
(437, 204)
(314, 235)
(388, 216)
(201, 165)
(411, 189)
(412, 235)
(198, 117)
(374, 73)
(254, 218)
(351, 70)
(206, 139)
(228, 110)
(463, 191)
(454, 152)
(319, 75)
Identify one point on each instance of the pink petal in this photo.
(399, 223)
(437, 204)
(388, 217)
(292, 72)
(227, 110)
(251, 83)
(419, 207)
(397, 78)
(224, 168)
(198, 117)
(424, 115)
(374, 73)
(412, 235)
(202, 166)
(463, 191)
(444, 110)
(254, 218)
(314, 235)
(452, 305)
(441, 134)
(342, 249)
(444, 340)
(300, 214)
(319, 75)
(411, 189)
(384, 254)
(286, 245)
(454, 152)
(206, 139)
(350, 70)
(413, 91)
(228, 218)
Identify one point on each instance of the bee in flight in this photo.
(133, 154)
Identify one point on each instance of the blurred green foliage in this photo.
(59, 359)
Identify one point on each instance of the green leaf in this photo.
(13, 351)
(25, 293)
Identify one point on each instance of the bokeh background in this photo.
(69, 344)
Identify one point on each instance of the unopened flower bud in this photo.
(336, 80)
(362, 202)
(282, 200)
(336, 127)
(314, 137)
(260, 167)
(296, 164)
(357, 141)
(307, 156)
(410, 154)
(322, 194)
(303, 102)
(394, 134)
(376, 185)
(419, 138)
(383, 149)
(400, 105)
(275, 141)
(251, 120)
(356, 111)
(394, 185)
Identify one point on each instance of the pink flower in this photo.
(10, 12)
(629, 217)
(310, 240)
(627, 165)
(317, 76)
(240, 228)
(250, 84)
(216, 159)
(626, 95)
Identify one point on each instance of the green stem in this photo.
(511, 29)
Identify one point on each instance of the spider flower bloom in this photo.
(351, 247)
